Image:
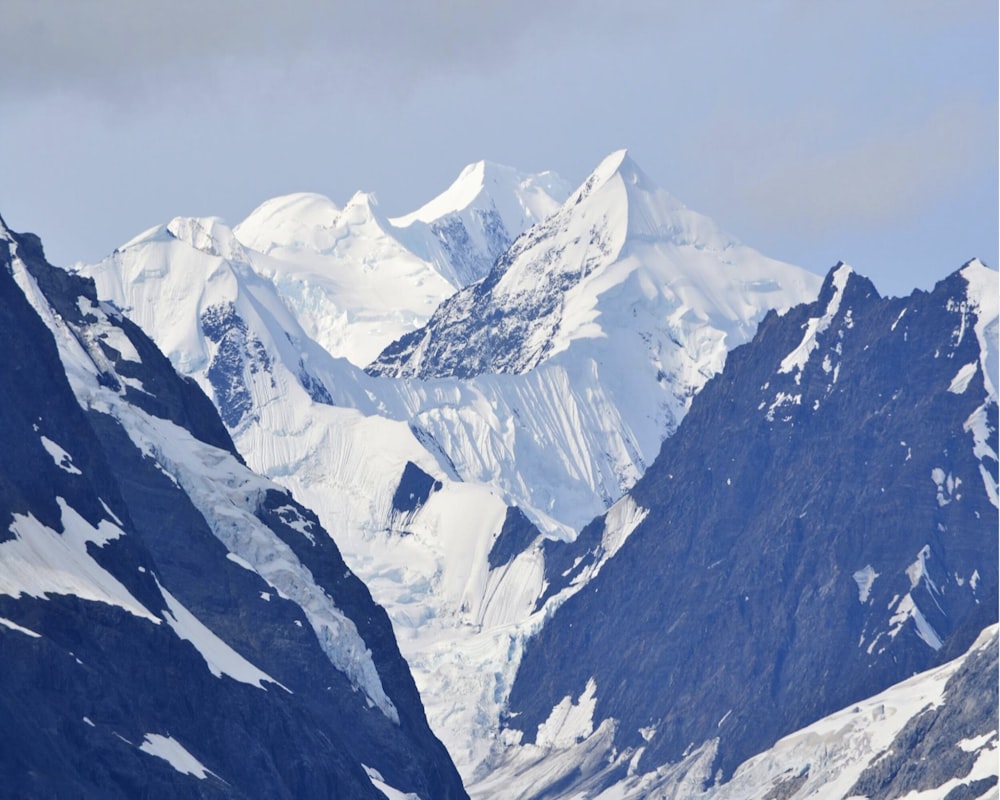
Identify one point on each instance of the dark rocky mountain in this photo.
(822, 525)
(171, 625)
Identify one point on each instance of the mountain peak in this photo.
(363, 209)
(520, 198)
(474, 173)
(287, 220)
(616, 162)
(618, 184)
(209, 234)
(362, 198)
(840, 273)
(974, 264)
(462, 193)
(618, 165)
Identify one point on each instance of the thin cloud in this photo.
(879, 180)
(103, 45)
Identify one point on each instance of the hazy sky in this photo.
(813, 130)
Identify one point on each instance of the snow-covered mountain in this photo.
(490, 461)
(172, 624)
(823, 524)
(531, 402)
(557, 376)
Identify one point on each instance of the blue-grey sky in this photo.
(861, 130)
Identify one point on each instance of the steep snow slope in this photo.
(172, 624)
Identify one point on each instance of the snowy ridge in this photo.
(984, 301)
(521, 199)
(796, 361)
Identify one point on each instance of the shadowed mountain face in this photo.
(170, 623)
(821, 526)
